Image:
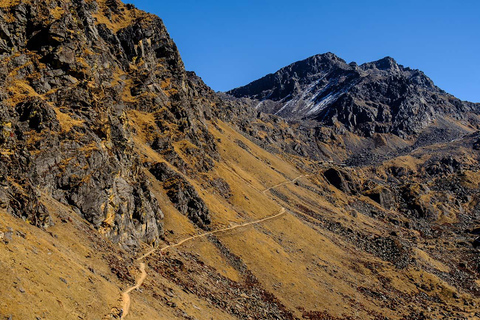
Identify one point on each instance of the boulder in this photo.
(383, 196)
(341, 180)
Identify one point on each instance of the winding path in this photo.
(126, 295)
(283, 183)
(126, 300)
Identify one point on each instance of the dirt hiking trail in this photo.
(126, 300)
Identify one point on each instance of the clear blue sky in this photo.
(231, 43)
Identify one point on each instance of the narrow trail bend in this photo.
(126, 294)
(126, 300)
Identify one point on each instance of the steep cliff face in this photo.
(71, 73)
(376, 97)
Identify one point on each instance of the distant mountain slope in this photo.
(376, 97)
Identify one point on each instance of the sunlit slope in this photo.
(312, 260)
(316, 260)
(60, 274)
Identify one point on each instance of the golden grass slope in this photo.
(305, 266)
(295, 257)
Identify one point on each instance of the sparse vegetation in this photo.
(110, 149)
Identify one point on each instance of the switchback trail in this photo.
(126, 301)
(126, 294)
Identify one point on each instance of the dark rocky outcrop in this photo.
(444, 166)
(476, 243)
(383, 196)
(72, 72)
(415, 205)
(341, 180)
(222, 187)
(476, 144)
(182, 194)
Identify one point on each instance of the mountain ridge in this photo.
(375, 97)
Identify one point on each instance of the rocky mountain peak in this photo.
(376, 97)
(291, 79)
(323, 59)
(385, 64)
